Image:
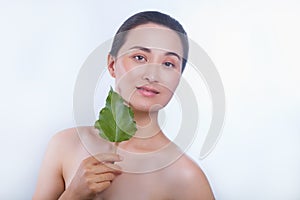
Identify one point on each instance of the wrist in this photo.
(66, 195)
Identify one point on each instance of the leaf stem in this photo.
(116, 144)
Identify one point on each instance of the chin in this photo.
(146, 107)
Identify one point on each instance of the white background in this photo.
(254, 45)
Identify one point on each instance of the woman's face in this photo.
(147, 69)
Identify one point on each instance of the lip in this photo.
(147, 91)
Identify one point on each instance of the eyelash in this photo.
(140, 58)
(167, 64)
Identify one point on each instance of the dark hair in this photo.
(148, 17)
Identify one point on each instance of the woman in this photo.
(147, 58)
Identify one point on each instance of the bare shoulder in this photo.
(60, 143)
(64, 152)
(189, 168)
(74, 144)
(190, 179)
(67, 136)
(73, 137)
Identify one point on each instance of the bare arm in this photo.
(94, 174)
(50, 184)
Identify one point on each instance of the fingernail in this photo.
(121, 157)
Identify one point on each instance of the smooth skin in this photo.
(147, 73)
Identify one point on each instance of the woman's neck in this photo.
(147, 124)
(149, 136)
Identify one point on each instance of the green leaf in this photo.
(116, 120)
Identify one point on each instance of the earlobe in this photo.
(111, 65)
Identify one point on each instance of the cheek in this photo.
(126, 72)
(169, 85)
(171, 81)
(126, 79)
(121, 68)
(125, 69)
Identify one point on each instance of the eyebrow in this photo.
(169, 53)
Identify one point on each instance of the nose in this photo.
(151, 73)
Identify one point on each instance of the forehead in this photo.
(152, 36)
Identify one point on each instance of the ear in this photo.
(111, 65)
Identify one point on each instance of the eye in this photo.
(139, 58)
(169, 64)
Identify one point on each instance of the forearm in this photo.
(66, 195)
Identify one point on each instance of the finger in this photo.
(107, 167)
(103, 177)
(102, 158)
(99, 187)
(107, 157)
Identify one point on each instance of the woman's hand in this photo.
(94, 175)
